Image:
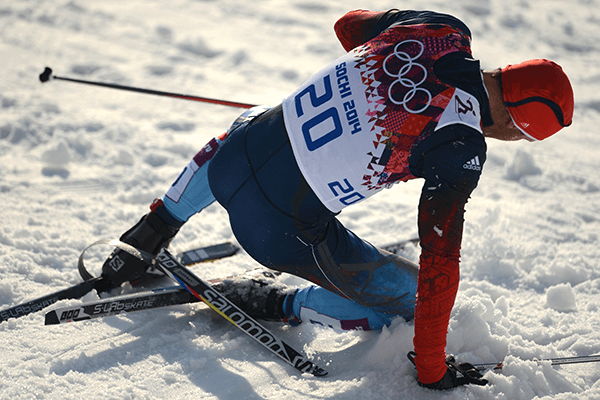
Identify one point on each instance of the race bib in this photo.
(329, 131)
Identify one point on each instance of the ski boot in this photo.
(150, 234)
(260, 295)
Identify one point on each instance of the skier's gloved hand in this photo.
(457, 374)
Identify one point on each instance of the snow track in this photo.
(81, 164)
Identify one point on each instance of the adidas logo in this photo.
(474, 164)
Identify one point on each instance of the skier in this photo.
(407, 101)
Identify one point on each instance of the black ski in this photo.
(156, 298)
(73, 292)
(207, 253)
(190, 257)
(232, 313)
(160, 297)
(115, 305)
(119, 304)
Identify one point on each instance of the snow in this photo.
(82, 163)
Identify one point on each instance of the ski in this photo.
(147, 300)
(207, 253)
(190, 257)
(126, 303)
(156, 298)
(73, 292)
(224, 307)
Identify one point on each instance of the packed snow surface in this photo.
(82, 163)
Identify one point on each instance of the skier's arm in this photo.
(359, 26)
(441, 213)
(448, 185)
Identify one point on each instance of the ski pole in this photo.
(47, 75)
(553, 361)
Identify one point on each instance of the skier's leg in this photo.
(262, 296)
(319, 306)
(190, 193)
(187, 196)
(383, 282)
(281, 224)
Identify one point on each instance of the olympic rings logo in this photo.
(406, 82)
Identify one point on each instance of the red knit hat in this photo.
(538, 97)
